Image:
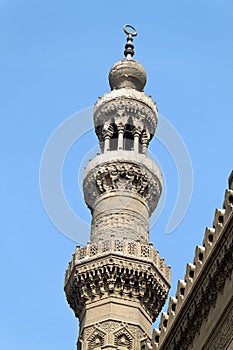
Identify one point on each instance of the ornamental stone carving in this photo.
(133, 106)
(121, 335)
(123, 247)
(114, 176)
(114, 276)
(96, 339)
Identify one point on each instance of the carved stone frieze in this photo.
(115, 276)
(130, 104)
(120, 334)
(123, 176)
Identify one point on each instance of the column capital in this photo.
(145, 137)
(137, 131)
(108, 130)
(120, 126)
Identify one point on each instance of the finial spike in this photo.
(129, 47)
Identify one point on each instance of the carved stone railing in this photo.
(121, 247)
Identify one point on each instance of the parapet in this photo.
(124, 248)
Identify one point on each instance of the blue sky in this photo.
(55, 58)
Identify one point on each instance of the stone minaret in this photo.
(117, 284)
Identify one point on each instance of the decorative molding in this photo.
(126, 103)
(113, 333)
(96, 339)
(122, 176)
(115, 276)
(124, 248)
(123, 338)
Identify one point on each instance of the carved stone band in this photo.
(134, 105)
(111, 276)
(119, 175)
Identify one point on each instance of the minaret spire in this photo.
(117, 284)
(129, 47)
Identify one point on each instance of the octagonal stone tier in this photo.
(122, 270)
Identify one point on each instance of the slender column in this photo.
(107, 134)
(120, 136)
(136, 134)
(144, 147)
(145, 142)
(106, 143)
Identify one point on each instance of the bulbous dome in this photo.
(127, 73)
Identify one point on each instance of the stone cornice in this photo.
(204, 279)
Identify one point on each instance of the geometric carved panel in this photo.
(123, 339)
(96, 340)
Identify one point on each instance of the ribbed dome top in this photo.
(127, 73)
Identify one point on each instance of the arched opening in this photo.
(114, 138)
(128, 138)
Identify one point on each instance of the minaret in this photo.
(117, 284)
